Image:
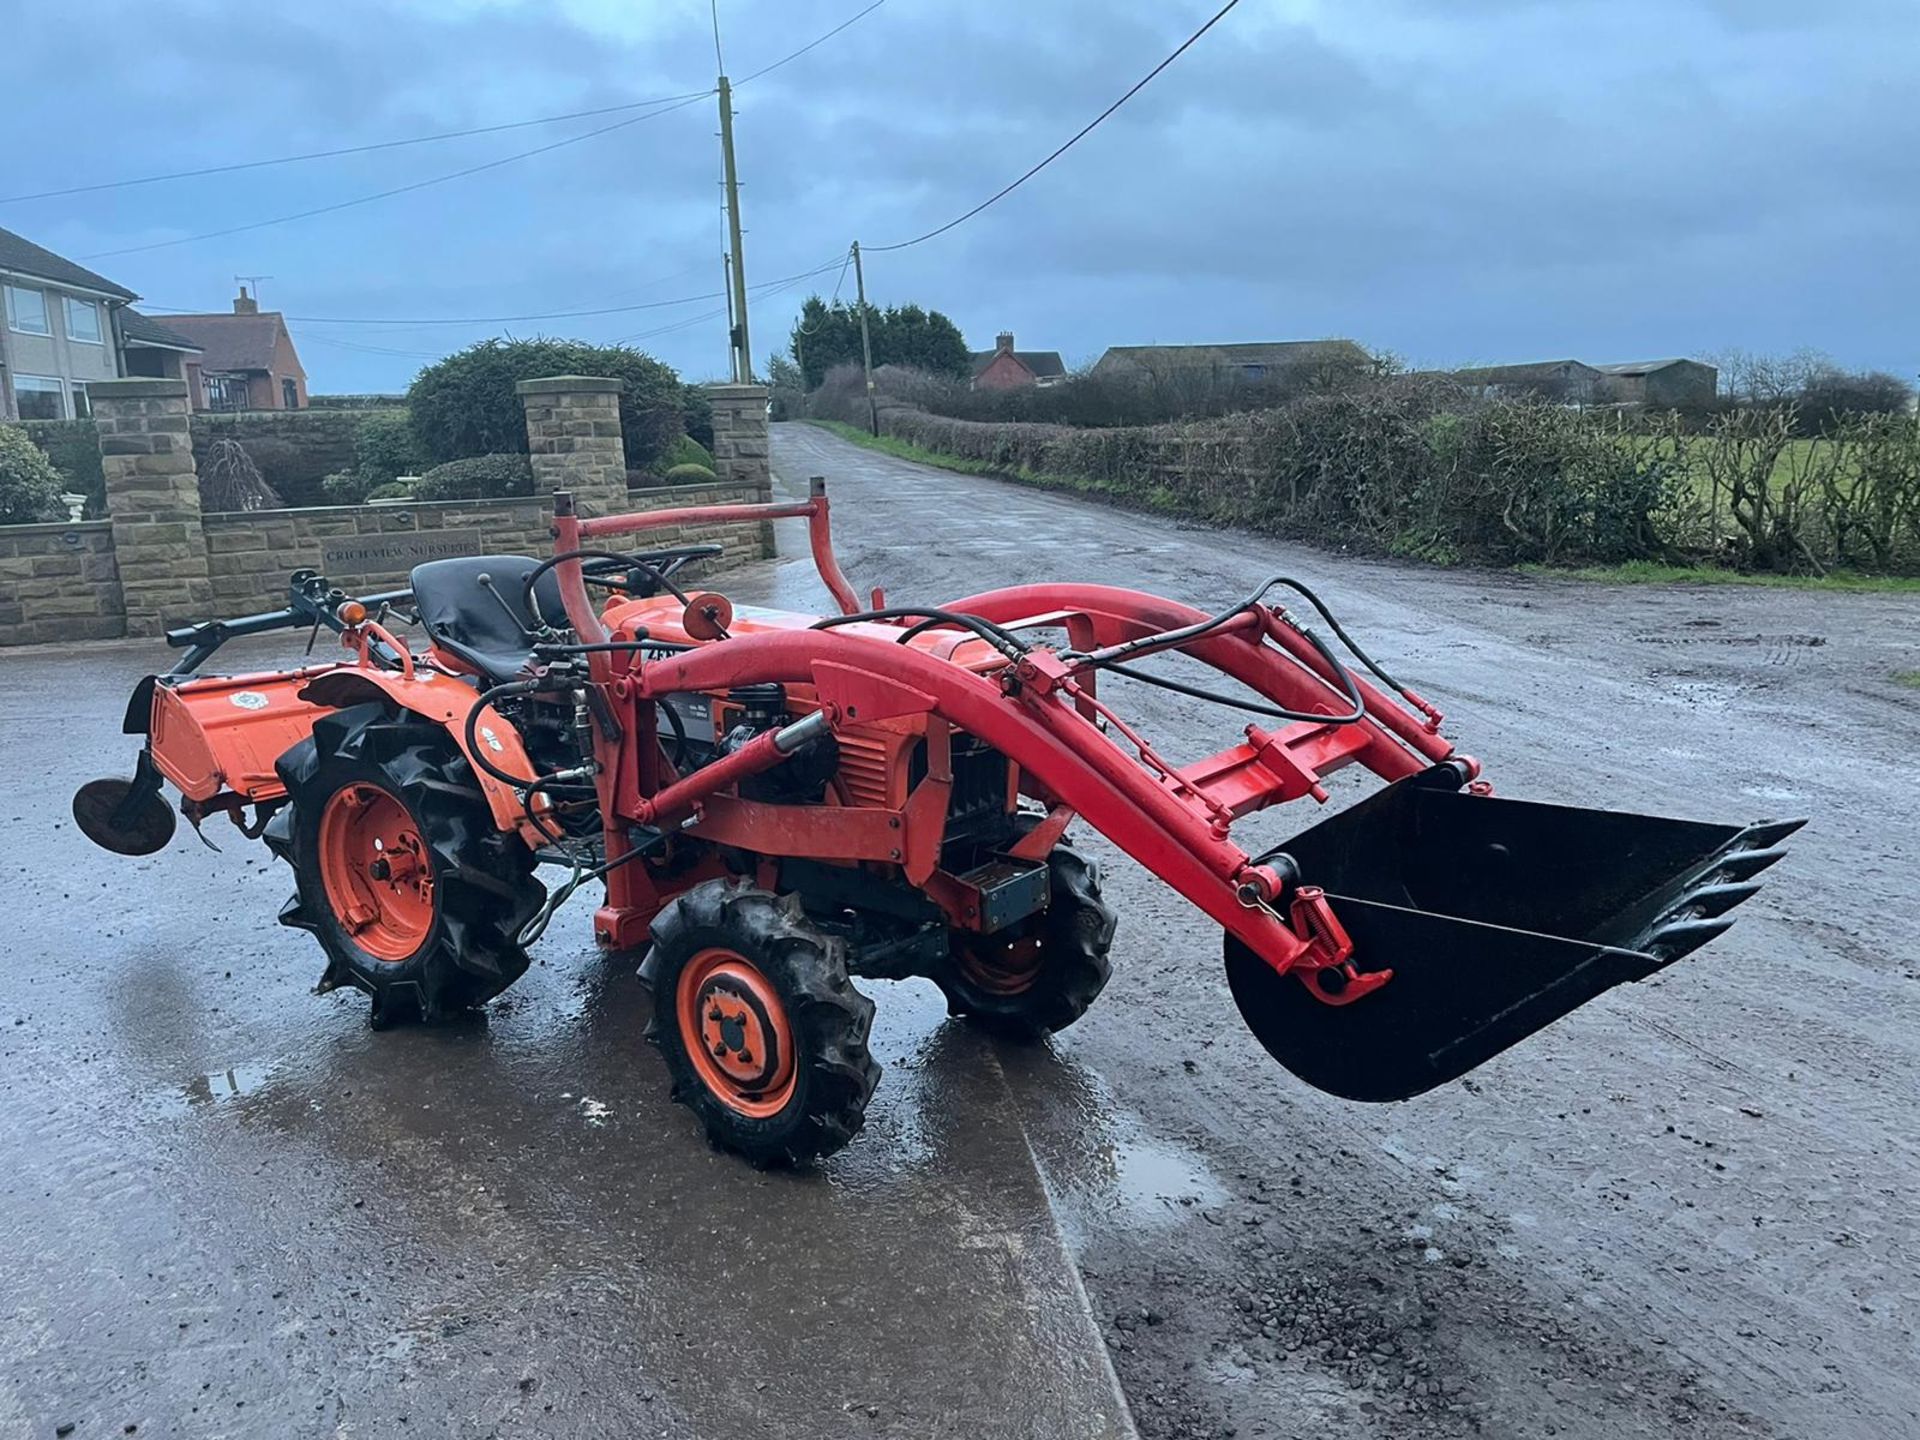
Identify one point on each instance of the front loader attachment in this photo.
(1496, 917)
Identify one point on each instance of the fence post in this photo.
(740, 444)
(573, 439)
(153, 501)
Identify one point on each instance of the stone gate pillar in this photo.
(740, 444)
(573, 439)
(153, 501)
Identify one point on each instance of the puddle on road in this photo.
(1098, 1159)
(1155, 1181)
(217, 1087)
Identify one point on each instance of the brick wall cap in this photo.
(137, 389)
(561, 384)
(736, 392)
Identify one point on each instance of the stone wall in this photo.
(59, 582)
(158, 561)
(373, 547)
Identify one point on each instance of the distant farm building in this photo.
(1662, 384)
(1257, 360)
(1005, 368)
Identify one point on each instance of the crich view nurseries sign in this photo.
(395, 551)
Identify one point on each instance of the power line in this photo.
(842, 280)
(668, 105)
(375, 146)
(1091, 125)
(398, 189)
(366, 149)
(402, 323)
(788, 59)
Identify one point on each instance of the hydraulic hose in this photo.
(630, 561)
(1005, 641)
(1356, 712)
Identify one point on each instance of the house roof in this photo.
(21, 256)
(145, 330)
(1043, 363)
(1643, 367)
(232, 342)
(1523, 372)
(1275, 353)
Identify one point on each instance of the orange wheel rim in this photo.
(1002, 967)
(736, 1032)
(376, 871)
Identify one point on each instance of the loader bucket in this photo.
(1496, 918)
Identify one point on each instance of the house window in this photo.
(226, 392)
(82, 403)
(1254, 372)
(39, 397)
(27, 311)
(83, 321)
(289, 395)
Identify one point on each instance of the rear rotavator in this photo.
(778, 804)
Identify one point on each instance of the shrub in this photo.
(466, 405)
(344, 487)
(479, 477)
(690, 475)
(74, 448)
(686, 451)
(696, 415)
(30, 486)
(392, 490)
(384, 446)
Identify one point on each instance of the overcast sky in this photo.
(1457, 181)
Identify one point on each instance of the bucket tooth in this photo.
(1768, 833)
(1678, 938)
(1711, 900)
(1742, 864)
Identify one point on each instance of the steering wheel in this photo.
(644, 573)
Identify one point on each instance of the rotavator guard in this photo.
(1496, 917)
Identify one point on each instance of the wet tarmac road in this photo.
(1684, 1210)
(228, 1208)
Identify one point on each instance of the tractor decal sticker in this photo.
(249, 699)
(493, 740)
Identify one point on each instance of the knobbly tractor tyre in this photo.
(399, 871)
(1042, 974)
(763, 1036)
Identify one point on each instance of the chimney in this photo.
(245, 304)
(1003, 343)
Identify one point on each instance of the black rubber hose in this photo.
(1356, 712)
(477, 752)
(1345, 639)
(1004, 641)
(533, 604)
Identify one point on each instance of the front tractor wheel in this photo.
(1042, 974)
(398, 869)
(764, 1038)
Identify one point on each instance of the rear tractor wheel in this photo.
(764, 1038)
(1042, 974)
(399, 872)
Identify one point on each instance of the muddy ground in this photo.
(1686, 1209)
(229, 1209)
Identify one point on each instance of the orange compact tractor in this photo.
(778, 804)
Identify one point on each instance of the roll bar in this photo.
(571, 532)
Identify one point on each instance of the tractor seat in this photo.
(471, 624)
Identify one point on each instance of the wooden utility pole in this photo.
(866, 341)
(742, 350)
